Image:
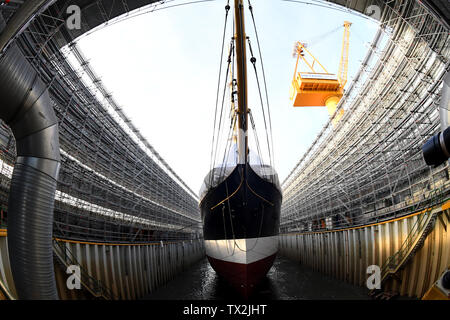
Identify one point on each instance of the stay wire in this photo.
(222, 106)
(227, 146)
(258, 148)
(227, 9)
(233, 118)
(253, 61)
(264, 79)
(232, 115)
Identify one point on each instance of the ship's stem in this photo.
(241, 60)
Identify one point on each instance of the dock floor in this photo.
(286, 280)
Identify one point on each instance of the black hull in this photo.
(241, 218)
(251, 209)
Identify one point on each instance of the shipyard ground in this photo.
(360, 196)
(286, 280)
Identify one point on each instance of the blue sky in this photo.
(162, 68)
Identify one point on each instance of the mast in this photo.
(241, 61)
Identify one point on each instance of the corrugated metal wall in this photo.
(346, 254)
(133, 271)
(129, 271)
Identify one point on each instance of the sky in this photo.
(162, 69)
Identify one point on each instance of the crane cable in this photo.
(319, 38)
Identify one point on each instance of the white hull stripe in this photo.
(244, 251)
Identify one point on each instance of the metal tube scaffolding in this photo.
(113, 186)
(370, 166)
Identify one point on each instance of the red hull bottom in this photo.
(243, 277)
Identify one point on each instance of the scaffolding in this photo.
(370, 167)
(113, 185)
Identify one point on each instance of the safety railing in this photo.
(97, 288)
(416, 236)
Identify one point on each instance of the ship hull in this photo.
(240, 227)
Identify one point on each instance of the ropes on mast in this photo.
(270, 146)
(253, 61)
(222, 107)
(219, 132)
(227, 9)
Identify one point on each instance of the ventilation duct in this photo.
(25, 106)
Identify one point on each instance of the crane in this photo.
(318, 87)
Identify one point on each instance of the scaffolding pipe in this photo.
(26, 108)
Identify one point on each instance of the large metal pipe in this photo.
(26, 107)
(437, 149)
(444, 106)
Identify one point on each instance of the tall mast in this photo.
(241, 61)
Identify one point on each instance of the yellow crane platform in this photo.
(314, 89)
(320, 89)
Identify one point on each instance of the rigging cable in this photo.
(227, 146)
(263, 170)
(227, 9)
(258, 148)
(233, 114)
(233, 117)
(253, 61)
(257, 238)
(231, 219)
(230, 196)
(272, 160)
(221, 112)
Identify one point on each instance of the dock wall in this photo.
(127, 271)
(346, 254)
